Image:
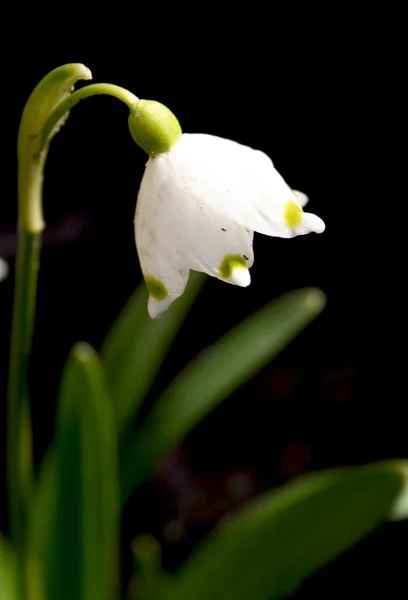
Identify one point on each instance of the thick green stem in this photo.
(31, 159)
(19, 442)
(44, 112)
(19, 434)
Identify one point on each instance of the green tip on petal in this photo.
(293, 214)
(153, 127)
(231, 262)
(157, 289)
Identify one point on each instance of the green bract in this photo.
(153, 127)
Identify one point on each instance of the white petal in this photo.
(176, 231)
(157, 307)
(233, 180)
(310, 223)
(240, 277)
(301, 197)
(216, 245)
(159, 246)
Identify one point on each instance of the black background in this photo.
(308, 93)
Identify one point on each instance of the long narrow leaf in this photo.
(209, 379)
(137, 345)
(83, 553)
(42, 515)
(8, 588)
(280, 539)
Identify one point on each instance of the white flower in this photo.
(198, 207)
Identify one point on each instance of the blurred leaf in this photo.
(83, 553)
(149, 580)
(8, 588)
(213, 375)
(399, 510)
(136, 346)
(42, 517)
(268, 549)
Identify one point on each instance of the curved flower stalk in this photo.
(46, 110)
(32, 154)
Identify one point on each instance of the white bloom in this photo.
(198, 207)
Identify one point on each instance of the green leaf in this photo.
(281, 538)
(399, 511)
(213, 375)
(83, 552)
(42, 515)
(136, 346)
(8, 587)
(149, 579)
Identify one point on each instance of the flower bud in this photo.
(153, 127)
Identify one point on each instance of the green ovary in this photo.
(293, 214)
(231, 262)
(157, 289)
(153, 126)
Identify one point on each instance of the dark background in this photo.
(307, 96)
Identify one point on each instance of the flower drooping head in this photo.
(200, 201)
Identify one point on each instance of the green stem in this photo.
(31, 225)
(19, 452)
(19, 441)
(95, 89)
(31, 159)
(42, 116)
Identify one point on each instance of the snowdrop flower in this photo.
(200, 201)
